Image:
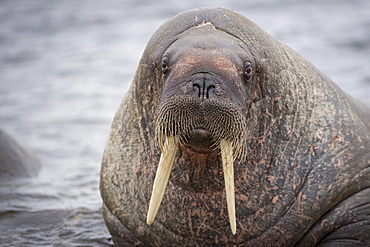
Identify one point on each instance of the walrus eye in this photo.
(165, 65)
(248, 71)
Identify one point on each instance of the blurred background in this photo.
(65, 66)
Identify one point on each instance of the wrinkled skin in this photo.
(304, 179)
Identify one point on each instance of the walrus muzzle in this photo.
(177, 118)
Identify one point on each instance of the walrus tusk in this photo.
(162, 176)
(228, 167)
(164, 171)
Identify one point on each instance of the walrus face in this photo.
(203, 99)
(203, 104)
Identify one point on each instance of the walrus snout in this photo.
(204, 87)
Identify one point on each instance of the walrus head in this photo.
(203, 104)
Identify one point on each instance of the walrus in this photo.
(16, 161)
(227, 137)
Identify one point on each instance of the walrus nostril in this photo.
(210, 91)
(204, 88)
(196, 89)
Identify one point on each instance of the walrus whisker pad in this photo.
(179, 115)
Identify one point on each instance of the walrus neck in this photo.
(197, 171)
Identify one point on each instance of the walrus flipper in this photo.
(347, 224)
(120, 234)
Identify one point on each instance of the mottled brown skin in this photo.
(305, 178)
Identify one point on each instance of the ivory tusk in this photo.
(228, 168)
(162, 176)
